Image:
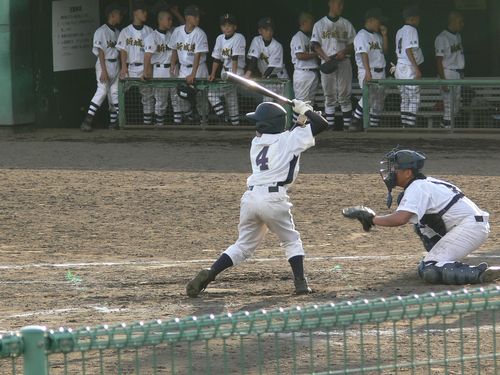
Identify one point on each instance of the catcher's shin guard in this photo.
(456, 273)
(301, 286)
(200, 282)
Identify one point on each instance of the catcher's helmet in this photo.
(270, 118)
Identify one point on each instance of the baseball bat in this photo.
(254, 86)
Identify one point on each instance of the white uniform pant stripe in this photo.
(410, 95)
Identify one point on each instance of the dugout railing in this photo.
(476, 104)
(204, 114)
(446, 333)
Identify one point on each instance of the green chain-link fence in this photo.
(436, 333)
(433, 103)
(216, 103)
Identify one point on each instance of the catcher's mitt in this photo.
(330, 66)
(364, 214)
(186, 92)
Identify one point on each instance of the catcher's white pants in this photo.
(451, 98)
(337, 88)
(376, 97)
(183, 106)
(410, 95)
(107, 89)
(146, 93)
(459, 241)
(305, 84)
(161, 94)
(231, 97)
(261, 211)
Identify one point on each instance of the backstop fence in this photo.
(434, 333)
(432, 103)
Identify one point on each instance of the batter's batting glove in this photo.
(301, 107)
(364, 214)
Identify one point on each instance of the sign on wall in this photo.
(73, 25)
(470, 4)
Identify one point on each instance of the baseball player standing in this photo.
(370, 45)
(274, 156)
(157, 60)
(131, 46)
(106, 68)
(229, 51)
(189, 46)
(449, 224)
(450, 64)
(305, 61)
(409, 58)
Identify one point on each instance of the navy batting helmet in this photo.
(270, 118)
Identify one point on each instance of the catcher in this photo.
(449, 224)
(274, 154)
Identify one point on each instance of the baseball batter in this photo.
(305, 61)
(157, 62)
(409, 58)
(333, 38)
(449, 224)
(229, 52)
(274, 156)
(106, 68)
(370, 45)
(450, 64)
(131, 46)
(189, 46)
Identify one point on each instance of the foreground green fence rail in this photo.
(466, 103)
(442, 333)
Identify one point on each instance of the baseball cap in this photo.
(112, 7)
(265, 22)
(375, 13)
(228, 18)
(139, 4)
(192, 10)
(411, 11)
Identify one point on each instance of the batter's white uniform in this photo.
(372, 44)
(105, 39)
(131, 40)
(187, 46)
(335, 36)
(407, 37)
(449, 46)
(466, 224)
(225, 50)
(305, 74)
(266, 205)
(156, 43)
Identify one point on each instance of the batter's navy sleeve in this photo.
(318, 122)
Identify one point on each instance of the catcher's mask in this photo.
(398, 160)
(270, 118)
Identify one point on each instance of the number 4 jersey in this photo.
(275, 157)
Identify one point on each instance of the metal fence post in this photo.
(35, 359)
(366, 105)
(121, 104)
(290, 95)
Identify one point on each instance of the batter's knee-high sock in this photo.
(330, 117)
(358, 112)
(92, 109)
(297, 264)
(148, 118)
(347, 116)
(221, 264)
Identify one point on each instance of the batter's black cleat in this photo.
(301, 286)
(87, 124)
(200, 282)
(491, 274)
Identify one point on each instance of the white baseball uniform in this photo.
(305, 74)
(225, 50)
(466, 224)
(156, 43)
(334, 35)
(449, 46)
(371, 44)
(105, 38)
(407, 37)
(266, 205)
(131, 40)
(187, 46)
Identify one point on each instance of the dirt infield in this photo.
(105, 228)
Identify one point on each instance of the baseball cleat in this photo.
(301, 286)
(491, 274)
(200, 282)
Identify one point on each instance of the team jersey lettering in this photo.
(262, 160)
(264, 57)
(134, 42)
(374, 45)
(161, 48)
(226, 52)
(186, 46)
(110, 43)
(334, 34)
(456, 47)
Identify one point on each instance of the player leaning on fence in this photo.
(107, 67)
(450, 64)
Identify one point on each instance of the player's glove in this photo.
(330, 66)
(364, 214)
(186, 92)
(301, 107)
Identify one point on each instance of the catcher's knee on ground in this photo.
(456, 273)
